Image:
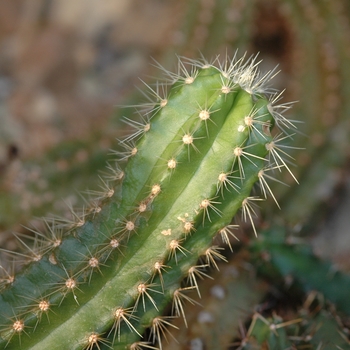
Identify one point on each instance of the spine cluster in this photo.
(100, 280)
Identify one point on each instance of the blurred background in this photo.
(66, 66)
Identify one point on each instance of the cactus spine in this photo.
(100, 280)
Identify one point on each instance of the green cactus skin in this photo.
(100, 280)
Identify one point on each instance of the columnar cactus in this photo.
(100, 280)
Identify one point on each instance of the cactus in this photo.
(299, 34)
(311, 329)
(298, 263)
(102, 278)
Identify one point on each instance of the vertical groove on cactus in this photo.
(191, 164)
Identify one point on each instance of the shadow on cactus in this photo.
(103, 278)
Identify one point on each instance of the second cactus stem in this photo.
(100, 280)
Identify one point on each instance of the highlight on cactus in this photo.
(101, 279)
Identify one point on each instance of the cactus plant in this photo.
(102, 278)
(298, 262)
(305, 31)
(313, 329)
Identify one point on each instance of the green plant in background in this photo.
(101, 279)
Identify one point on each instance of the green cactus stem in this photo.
(298, 263)
(101, 279)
